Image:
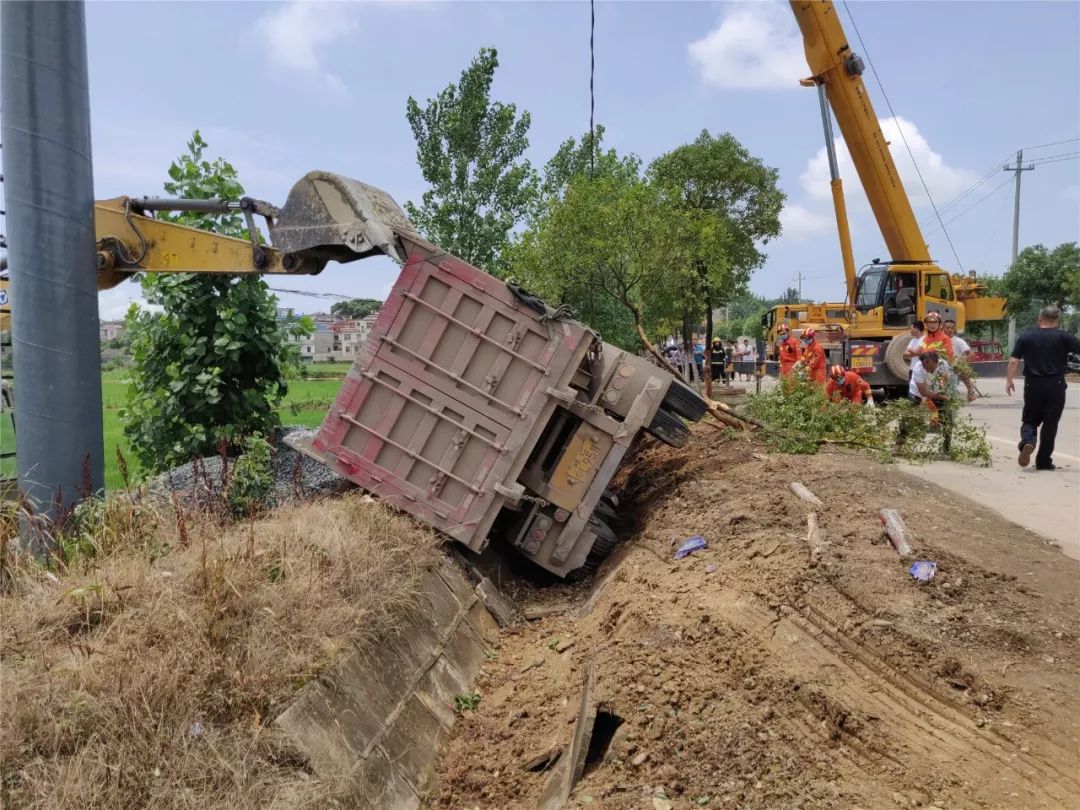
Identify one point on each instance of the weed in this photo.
(469, 701)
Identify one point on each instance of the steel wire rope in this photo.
(900, 129)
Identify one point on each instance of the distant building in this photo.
(110, 330)
(285, 314)
(318, 347)
(323, 321)
(350, 336)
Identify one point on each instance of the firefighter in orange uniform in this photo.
(935, 339)
(813, 356)
(788, 351)
(844, 384)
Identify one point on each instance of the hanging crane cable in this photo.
(592, 90)
(907, 146)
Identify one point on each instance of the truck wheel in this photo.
(604, 511)
(684, 402)
(605, 540)
(669, 429)
(894, 356)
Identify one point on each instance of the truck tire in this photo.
(684, 402)
(605, 512)
(605, 541)
(894, 356)
(669, 429)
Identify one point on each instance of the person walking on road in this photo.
(1045, 352)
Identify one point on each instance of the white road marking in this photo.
(1014, 442)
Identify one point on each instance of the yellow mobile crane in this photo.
(886, 296)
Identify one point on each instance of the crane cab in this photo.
(889, 297)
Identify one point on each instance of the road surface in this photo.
(1047, 503)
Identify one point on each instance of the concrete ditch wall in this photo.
(377, 719)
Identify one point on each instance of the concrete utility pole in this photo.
(48, 180)
(1019, 169)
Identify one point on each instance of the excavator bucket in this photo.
(332, 218)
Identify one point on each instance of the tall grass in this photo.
(146, 669)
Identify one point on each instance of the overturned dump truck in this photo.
(474, 406)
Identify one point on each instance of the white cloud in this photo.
(800, 222)
(1071, 192)
(296, 32)
(755, 46)
(943, 180)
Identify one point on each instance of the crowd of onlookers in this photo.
(729, 361)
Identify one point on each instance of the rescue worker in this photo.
(716, 362)
(1045, 352)
(788, 351)
(847, 385)
(813, 356)
(936, 339)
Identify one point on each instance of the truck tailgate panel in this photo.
(452, 381)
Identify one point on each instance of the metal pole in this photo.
(1019, 169)
(50, 204)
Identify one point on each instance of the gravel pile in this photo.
(296, 476)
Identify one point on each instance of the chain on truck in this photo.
(474, 407)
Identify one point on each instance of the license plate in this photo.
(862, 362)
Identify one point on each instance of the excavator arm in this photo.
(326, 217)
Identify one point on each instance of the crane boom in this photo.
(836, 66)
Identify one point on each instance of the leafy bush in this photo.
(800, 418)
(252, 479)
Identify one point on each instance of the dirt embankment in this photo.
(745, 677)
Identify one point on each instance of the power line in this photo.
(975, 204)
(1053, 143)
(1057, 158)
(900, 129)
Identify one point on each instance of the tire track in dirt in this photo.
(745, 678)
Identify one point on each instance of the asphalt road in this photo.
(1045, 502)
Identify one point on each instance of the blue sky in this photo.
(281, 89)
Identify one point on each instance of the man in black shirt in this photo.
(1045, 352)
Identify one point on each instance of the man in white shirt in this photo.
(912, 351)
(960, 346)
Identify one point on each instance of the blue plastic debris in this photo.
(923, 570)
(690, 546)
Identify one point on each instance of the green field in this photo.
(310, 398)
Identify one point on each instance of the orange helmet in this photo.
(837, 371)
(809, 333)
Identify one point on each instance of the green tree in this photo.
(608, 240)
(584, 157)
(1040, 276)
(470, 149)
(355, 308)
(211, 365)
(731, 205)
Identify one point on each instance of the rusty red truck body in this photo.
(480, 410)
